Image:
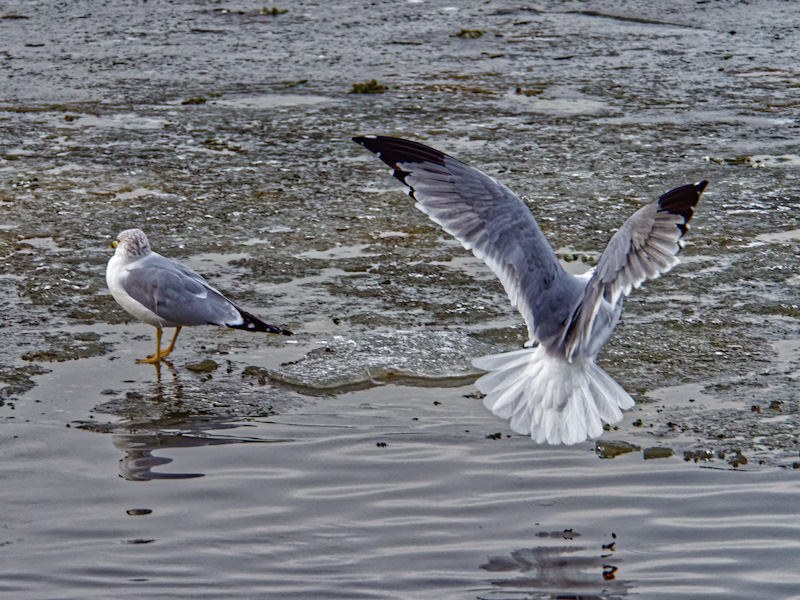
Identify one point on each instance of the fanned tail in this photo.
(549, 398)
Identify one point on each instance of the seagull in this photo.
(552, 389)
(164, 293)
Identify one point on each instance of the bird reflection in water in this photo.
(563, 572)
(172, 415)
(139, 462)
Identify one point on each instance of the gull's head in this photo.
(131, 243)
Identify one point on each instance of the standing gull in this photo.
(555, 392)
(164, 293)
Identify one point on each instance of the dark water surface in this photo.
(353, 460)
(381, 495)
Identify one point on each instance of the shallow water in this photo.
(403, 493)
(354, 460)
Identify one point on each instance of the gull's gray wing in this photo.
(177, 294)
(489, 219)
(645, 247)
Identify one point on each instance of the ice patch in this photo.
(374, 358)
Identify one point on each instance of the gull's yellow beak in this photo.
(114, 244)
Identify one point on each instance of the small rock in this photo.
(206, 366)
(657, 452)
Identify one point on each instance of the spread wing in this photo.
(489, 219)
(645, 247)
(177, 294)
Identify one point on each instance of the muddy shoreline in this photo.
(225, 134)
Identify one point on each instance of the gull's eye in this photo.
(114, 244)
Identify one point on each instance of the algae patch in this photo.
(368, 87)
(18, 380)
(273, 12)
(67, 346)
(657, 452)
(612, 449)
(469, 34)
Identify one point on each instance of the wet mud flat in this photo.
(223, 130)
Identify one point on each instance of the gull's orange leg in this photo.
(154, 359)
(166, 352)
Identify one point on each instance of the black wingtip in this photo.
(682, 200)
(252, 323)
(399, 153)
(392, 150)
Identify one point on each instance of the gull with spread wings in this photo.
(554, 392)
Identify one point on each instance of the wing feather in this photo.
(645, 247)
(177, 294)
(491, 221)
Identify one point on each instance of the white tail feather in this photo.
(549, 398)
